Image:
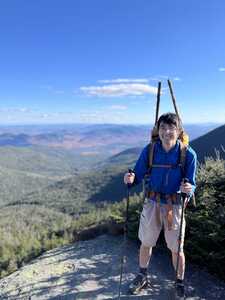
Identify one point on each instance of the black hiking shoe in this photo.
(180, 291)
(139, 282)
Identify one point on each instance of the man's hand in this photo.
(186, 188)
(129, 178)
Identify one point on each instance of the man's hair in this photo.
(171, 119)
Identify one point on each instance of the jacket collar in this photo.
(161, 149)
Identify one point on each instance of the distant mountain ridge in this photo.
(210, 143)
(90, 139)
(17, 140)
(96, 138)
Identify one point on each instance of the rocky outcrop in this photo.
(91, 270)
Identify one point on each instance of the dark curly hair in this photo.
(171, 119)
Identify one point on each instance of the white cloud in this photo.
(15, 110)
(59, 92)
(154, 79)
(165, 77)
(118, 107)
(133, 87)
(52, 89)
(103, 117)
(94, 117)
(27, 115)
(139, 80)
(162, 77)
(118, 90)
(222, 69)
(24, 110)
(125, 80)
(44, 116)
(46, 87)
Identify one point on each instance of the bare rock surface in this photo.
(91, 270)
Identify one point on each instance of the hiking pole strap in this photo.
(158, 102)
(193, 200)
(173, 98)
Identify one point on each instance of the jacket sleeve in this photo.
(190, 168)
(141, 166)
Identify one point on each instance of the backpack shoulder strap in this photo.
(182, 160)
(150, 154)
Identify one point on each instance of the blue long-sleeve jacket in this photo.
(166, 180)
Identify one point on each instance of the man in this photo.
(163, 185)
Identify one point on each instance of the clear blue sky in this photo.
(99, 61)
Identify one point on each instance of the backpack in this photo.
(183, 138)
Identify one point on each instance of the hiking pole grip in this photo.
(184, 195)
(185, 180)
(130, 171)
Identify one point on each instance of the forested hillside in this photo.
(27, 169)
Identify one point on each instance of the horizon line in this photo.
(94, 124)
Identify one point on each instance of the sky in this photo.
(100, 61)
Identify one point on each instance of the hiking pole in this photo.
(183, 199)
(125, 230)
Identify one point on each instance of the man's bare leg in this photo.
(181, 267)
(141, 279)
(144, 256)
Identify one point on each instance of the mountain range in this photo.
(88, 139)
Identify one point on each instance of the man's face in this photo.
(168, 133)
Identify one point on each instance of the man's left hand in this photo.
(186, 188)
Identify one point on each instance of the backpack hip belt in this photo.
(170, 200)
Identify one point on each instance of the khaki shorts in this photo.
(149, 227)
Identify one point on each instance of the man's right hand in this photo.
(129, 178)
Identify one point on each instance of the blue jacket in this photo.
(166, 180)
